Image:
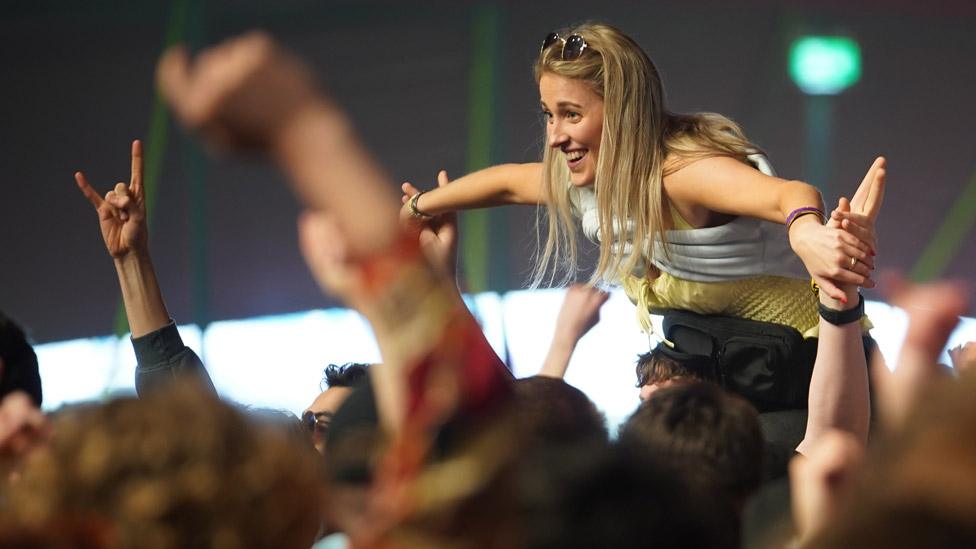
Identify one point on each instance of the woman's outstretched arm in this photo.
(494, 186)
(725, 185)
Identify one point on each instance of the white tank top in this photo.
(743, 248)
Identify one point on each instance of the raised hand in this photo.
(580, 311)
(23, 427)
(325, 251)
(409, 190)
(438, 236)
(870, 193)
(406, 212)
(933, 312)
(858, 215)
(240, 93)
(821, 479)
(122, 213)
(578, 315)
(964, 357)
(249, 93)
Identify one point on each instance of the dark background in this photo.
(77, 87)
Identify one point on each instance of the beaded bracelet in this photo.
(800, 212)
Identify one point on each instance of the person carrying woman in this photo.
(686, 210)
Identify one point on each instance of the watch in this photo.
(840, 318)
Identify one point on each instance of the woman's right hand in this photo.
(122, 213)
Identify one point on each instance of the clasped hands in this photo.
(840, 254)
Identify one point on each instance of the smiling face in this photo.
(574, 124)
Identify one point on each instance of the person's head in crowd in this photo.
(354, 444)
(551, 411)
(177, 469)
(611, 496)
(18, 362)
(339, 382)
(662, 368)
(711, 435)
(918, 488)
(283, 420)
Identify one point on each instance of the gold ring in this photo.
(853, 262)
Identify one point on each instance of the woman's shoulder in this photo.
(681, 171)
(676, 162)
(692, 179)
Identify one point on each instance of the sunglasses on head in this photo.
(573, 45)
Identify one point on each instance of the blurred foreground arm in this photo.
(933, 313)
(248, 94)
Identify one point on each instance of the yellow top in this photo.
(765, 298)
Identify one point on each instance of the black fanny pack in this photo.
(768, 364)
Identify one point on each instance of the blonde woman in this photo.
(686, 211)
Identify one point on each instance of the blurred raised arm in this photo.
(249, 94)
(579, 313)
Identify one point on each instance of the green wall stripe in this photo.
(196, 164)
(475, 224)
(155, 142)
(199, 231)
(949, 237)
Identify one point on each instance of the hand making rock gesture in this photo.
(122, 213)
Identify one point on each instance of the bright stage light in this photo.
(825, 65)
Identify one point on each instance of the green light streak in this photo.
(155, 142)
(949, 237)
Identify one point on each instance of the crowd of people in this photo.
(768, 418)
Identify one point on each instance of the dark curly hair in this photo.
(176, 469)
(347, 375)
(708, 432)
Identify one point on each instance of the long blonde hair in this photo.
(638, 135)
